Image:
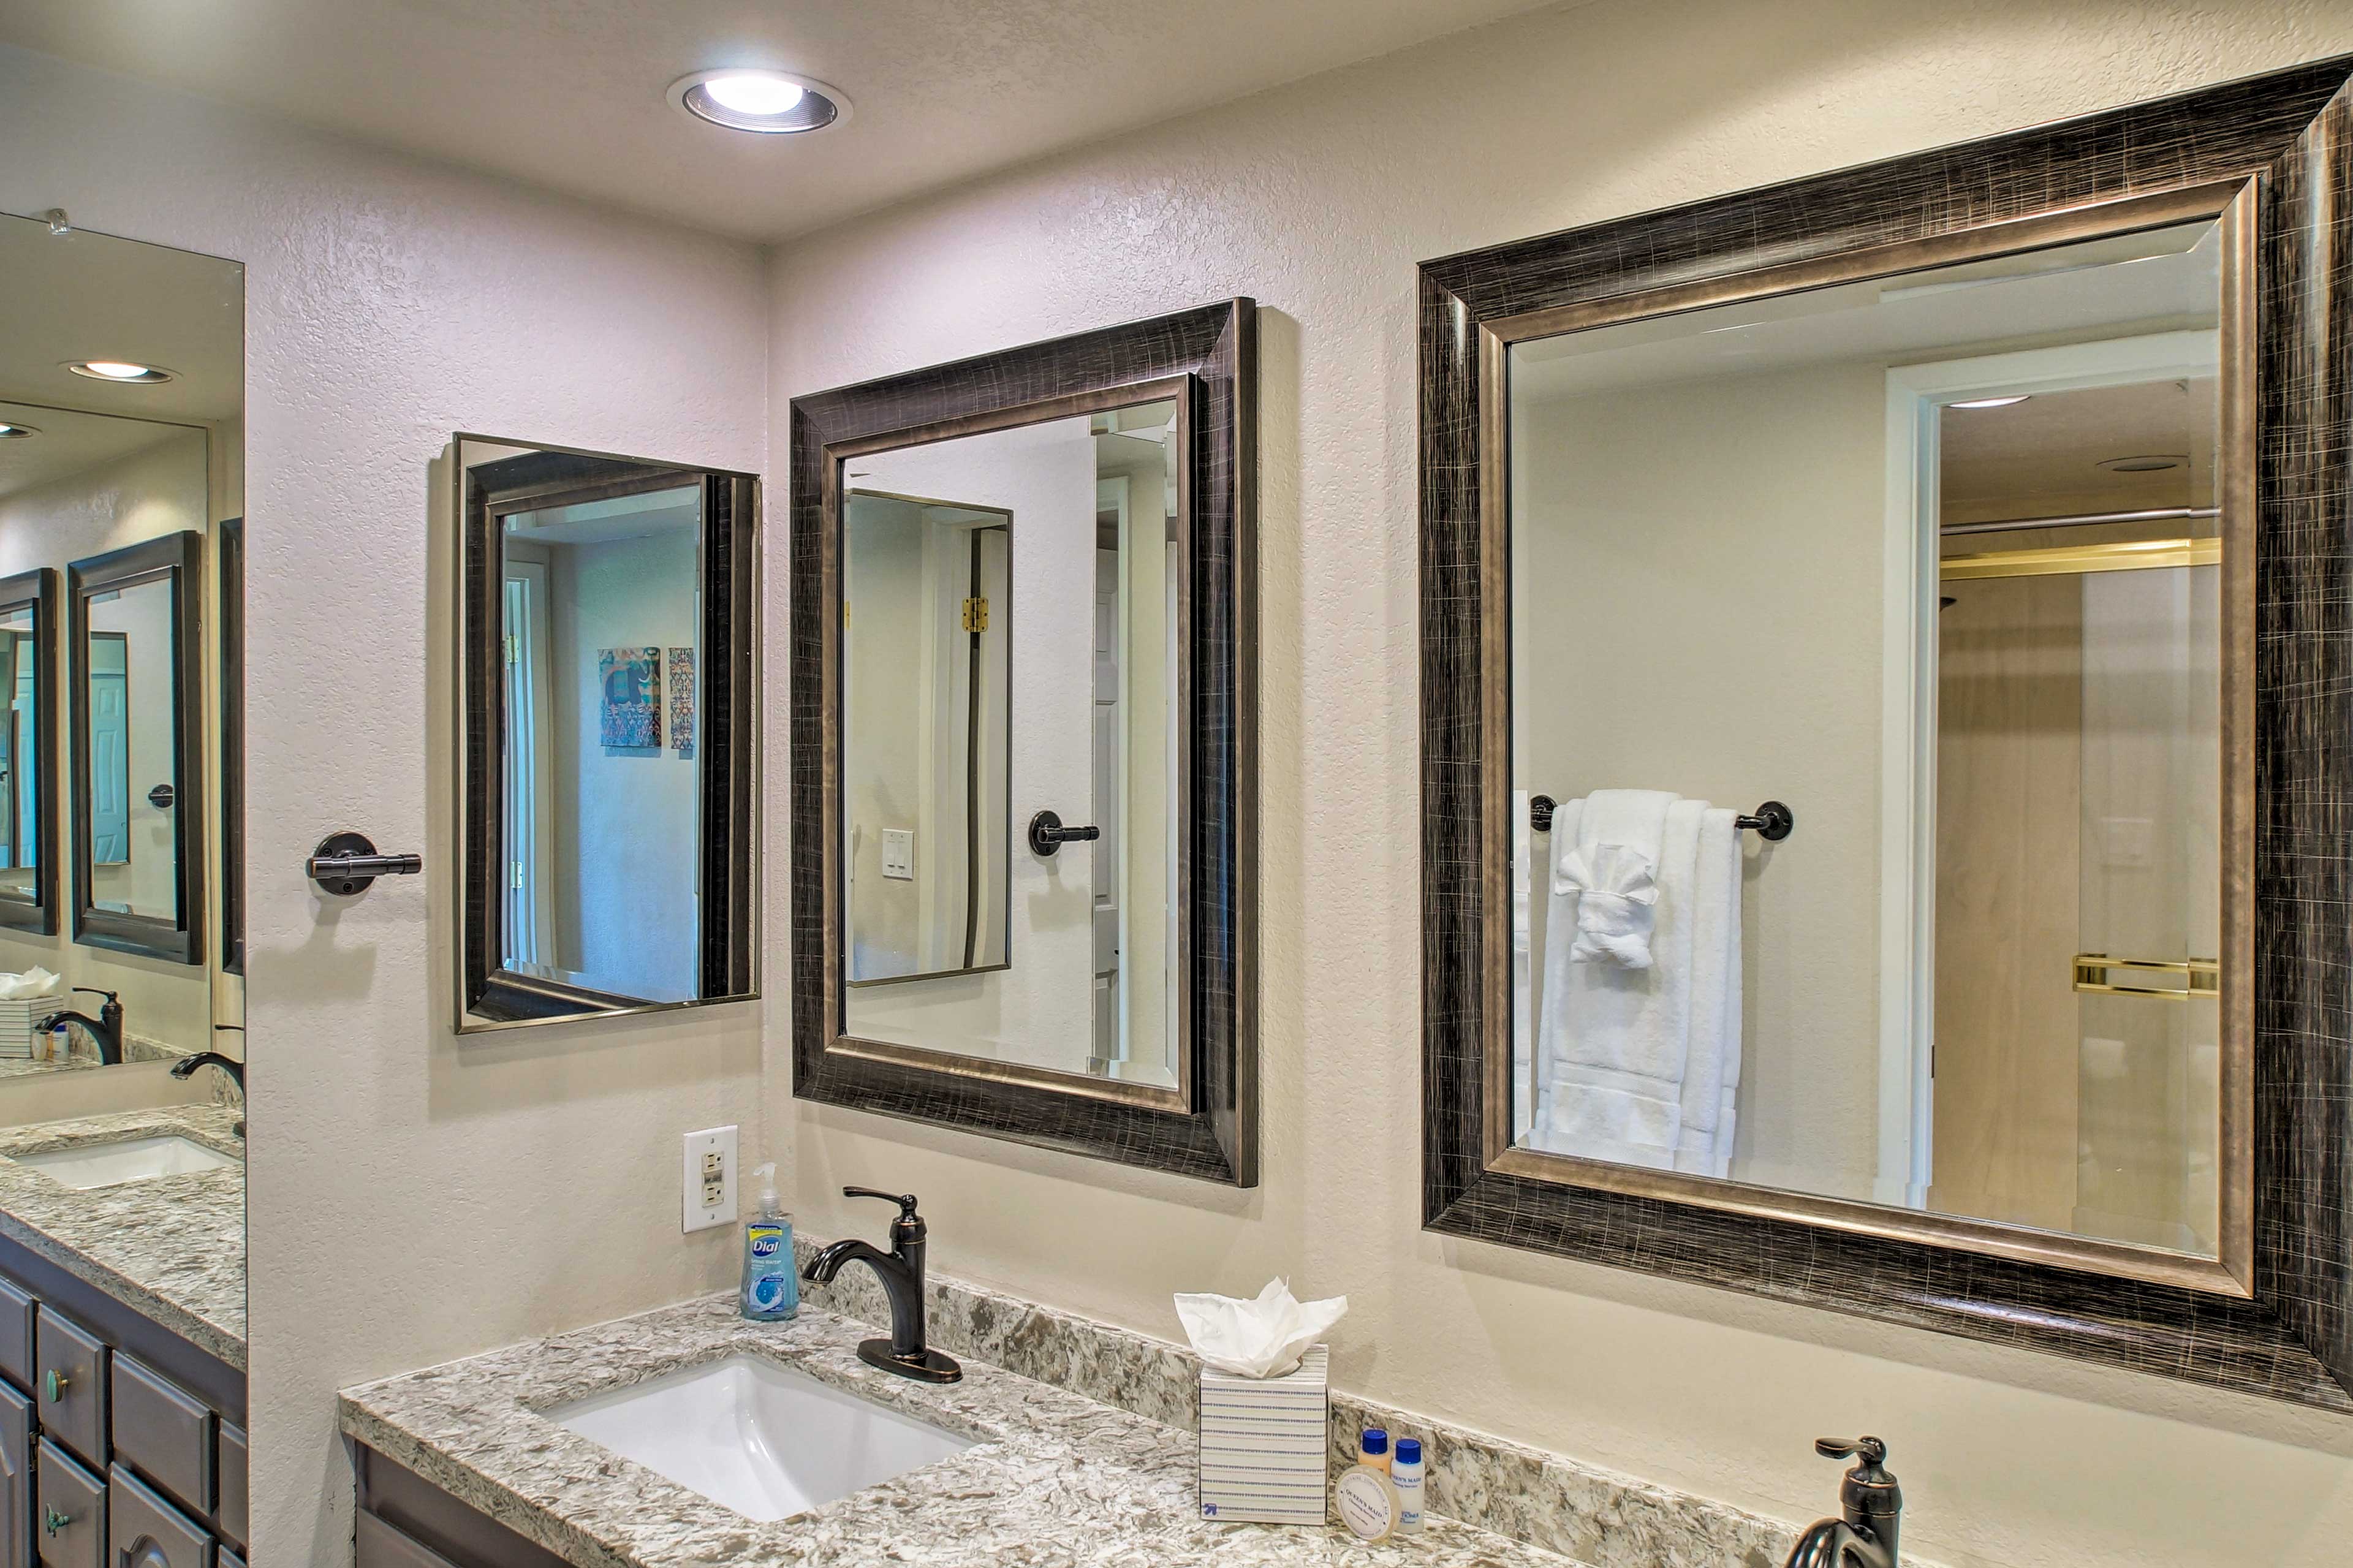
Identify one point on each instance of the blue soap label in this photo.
(768, 1292)
(766, 1239)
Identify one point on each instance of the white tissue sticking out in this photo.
(1265, 1338)
(34, 981)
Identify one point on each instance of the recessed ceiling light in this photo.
(2152, 463)
(765, 103)
(122, 370)
(13, 432)
(1991, 402)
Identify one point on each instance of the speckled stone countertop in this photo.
(1056, 1482)
(172, 1247)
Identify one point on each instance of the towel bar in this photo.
(1773, 821)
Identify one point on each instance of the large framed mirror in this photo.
(28, 752)
(136, 686)
(1022, 733)
(607, 750)
(1870, 827)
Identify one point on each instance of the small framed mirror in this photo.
(136, 686)
(1019, 836)
(609, 825)
(28, 752)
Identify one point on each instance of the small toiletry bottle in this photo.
(772, 1284)
(1373, 1450)
(1405, 1474)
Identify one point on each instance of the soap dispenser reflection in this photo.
(772, 1285)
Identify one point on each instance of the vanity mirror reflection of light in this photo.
(1040, 601)
(111, 508)
(1024, 806)
(605, 764)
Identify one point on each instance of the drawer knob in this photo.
(52, 1520)
(57, 1382)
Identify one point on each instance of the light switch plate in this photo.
(707, 1179)
(899, 854)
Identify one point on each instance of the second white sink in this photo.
(764, 1440)
(87, 1165)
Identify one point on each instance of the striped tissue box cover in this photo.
(1265, 1442)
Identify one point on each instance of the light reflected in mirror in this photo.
(591, 577)
(1010, 650)
(1936, 560)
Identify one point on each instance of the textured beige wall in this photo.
(1318, 200)
(412, 1199)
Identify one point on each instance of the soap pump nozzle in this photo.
(769, 1203)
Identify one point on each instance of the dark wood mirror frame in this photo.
(38, 590)
(2279, 150)
(491, 996)
(1207, 1127)
(176, 559)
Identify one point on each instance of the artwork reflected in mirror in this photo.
(606, 779)
(1934, 562)
(1009, 899)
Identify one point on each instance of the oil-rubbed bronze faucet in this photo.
(902, 1272)
(1871, 1506)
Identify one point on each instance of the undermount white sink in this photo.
(762, 1439)
(87, 1165)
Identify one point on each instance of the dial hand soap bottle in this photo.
(772, 1284)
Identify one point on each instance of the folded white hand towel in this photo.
(1612, 862)
(1614, 1037)
(1712, 1073)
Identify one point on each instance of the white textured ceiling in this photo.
(568, 93)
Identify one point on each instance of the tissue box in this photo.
(1265, 1443)
(16, 1016)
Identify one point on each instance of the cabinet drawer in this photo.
(146, 1532)
(231, 1513)
(15, 1477)
(70, 1386)
(15, 1333)
(381, 1546)
(163, 1433)
(72, 1509)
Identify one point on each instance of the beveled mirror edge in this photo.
(2279, 139)
(2230, 1271)
(37, 589)
(739, 842)
(1207, 1130)
(1178, 389)
(177, 558)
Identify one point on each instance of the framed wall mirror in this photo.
(1869, 817)
(135, 683)
(607, 738)
(28, 750)
(1022, 712)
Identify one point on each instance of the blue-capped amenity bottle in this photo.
(772, 1285)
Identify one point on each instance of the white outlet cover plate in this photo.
(696, 1214)
(899, 854)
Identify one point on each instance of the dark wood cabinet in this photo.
(73, 1504)
(16, 1428)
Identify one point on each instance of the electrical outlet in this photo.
(707, 1185)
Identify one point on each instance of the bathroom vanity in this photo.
(483, 1463)
(122, 1391)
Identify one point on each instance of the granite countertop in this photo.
(1056, 1482)
(173, 1247)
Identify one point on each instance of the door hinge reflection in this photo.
(975, 615)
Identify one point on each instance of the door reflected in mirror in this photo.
(22, 670)
(596, 588)
(1009, 661)
(1938, 560)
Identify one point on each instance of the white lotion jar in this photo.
(1367, 1503)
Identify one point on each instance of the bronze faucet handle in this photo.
(1871, 1450)
(906, 1200)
